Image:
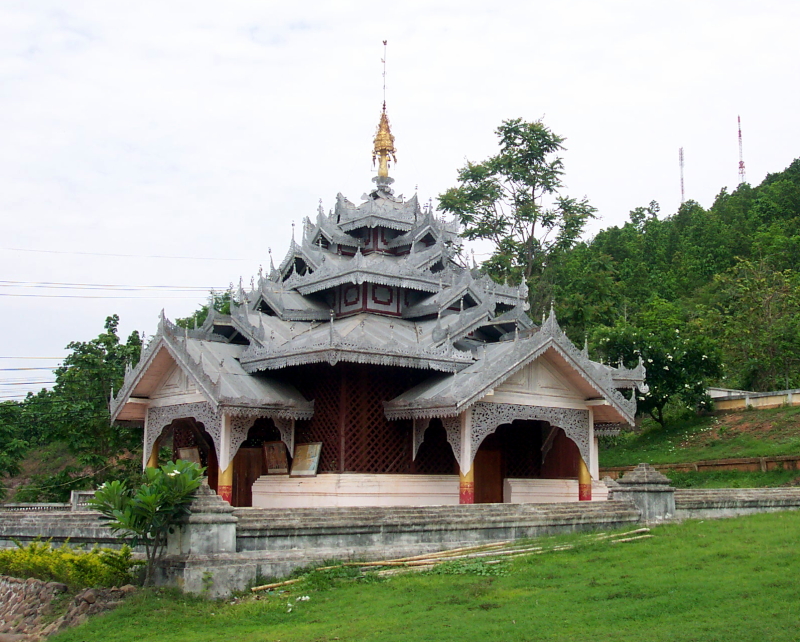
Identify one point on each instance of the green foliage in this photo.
(733, 479)
(755, 312)
(727, 275)
(146, 514)
(12, 444)
(75, 413)
(513, 199)
(470, 567)
(221, 302)
(679, 364)
(76, 568)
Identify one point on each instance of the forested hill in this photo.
(728, 276)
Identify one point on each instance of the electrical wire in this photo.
(79, 296)
(130, 256)
(106, 286)
(20, 369)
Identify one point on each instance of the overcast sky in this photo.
(203, 129)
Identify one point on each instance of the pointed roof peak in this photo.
(383, 145)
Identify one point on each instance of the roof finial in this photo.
(384, 141)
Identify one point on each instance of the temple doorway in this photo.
(249, 463)
(522, 450)
(488, 465)
(188, 435)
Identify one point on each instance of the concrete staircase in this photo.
(351, 528)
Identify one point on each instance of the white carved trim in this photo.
(159, 418)
(420, 426)
(240, 426)
(487, 417)
(452, 426)
(286, 428)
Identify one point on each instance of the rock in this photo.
(57, 587)
(12, 637)
(127, 589)
(90, 596)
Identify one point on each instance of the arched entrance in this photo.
(523, 449)
(249, 463)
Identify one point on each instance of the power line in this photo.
(89, 296)
(130, 256)
(106, 286)
(20, 369)
(46, 358)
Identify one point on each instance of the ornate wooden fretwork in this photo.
(452, 426)
(162, 416)
(420, 426)
(486, 417)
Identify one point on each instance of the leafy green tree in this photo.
(755, 314)
(513, 199)
(679, 361)
(221, 302)
(146, 514)
(75, 413)
(12, 445)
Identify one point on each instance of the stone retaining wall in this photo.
(744, 464)
(28, 611)
(732, 502)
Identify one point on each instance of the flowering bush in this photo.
(147, 514)
(76, 568)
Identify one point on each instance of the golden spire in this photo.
(384, 145)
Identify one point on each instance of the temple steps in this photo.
(353, 528)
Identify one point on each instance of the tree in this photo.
(513, 200)
(755, 313)
(75, 412)
(679, 360)
(148, 513)
(12, 445)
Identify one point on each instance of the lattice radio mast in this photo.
(742, 177)
(680, 160)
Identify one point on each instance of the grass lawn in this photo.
(751, 433)
(734, 579)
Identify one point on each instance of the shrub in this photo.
(75, 568)
(148, 513)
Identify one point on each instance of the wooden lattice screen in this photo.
(349, 419)
(320, 383)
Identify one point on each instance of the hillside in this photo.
(750, 433)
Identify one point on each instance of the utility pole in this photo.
(680, 160)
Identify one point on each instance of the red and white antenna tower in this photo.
(680, 159)
(742, 177)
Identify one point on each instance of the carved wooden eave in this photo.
(361, 338)
(372, 268)
(377, 211)
(217, 375)
(449, 396)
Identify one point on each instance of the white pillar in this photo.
(594, 454)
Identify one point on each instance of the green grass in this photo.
(724, 580)
(752, 433)
(733, 479)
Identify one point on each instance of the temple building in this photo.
(406, 377)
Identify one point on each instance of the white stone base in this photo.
(351, 489)
(548, 491)
(282, 491)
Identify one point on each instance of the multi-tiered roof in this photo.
(374, 283)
